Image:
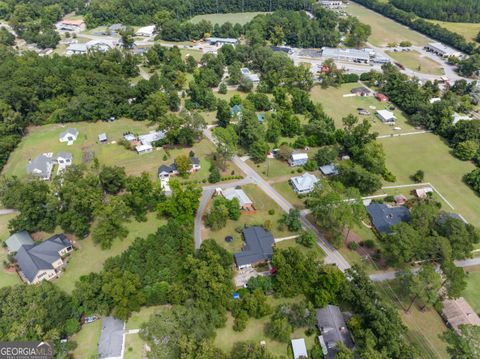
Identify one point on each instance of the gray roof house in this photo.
(329, 170)
(42, 261)
(169, 170)
(245, 202)
(333, 329)
(384, 217)
(41, 167)
(305, 183)
(16, 240)
(258, 247)
(69, 135)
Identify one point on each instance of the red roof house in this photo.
(381, 97)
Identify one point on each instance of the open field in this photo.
(337, 106)
(385, 30)
(6, 278)
(466, 29)
(45, 139)
(235, 18)
(424, 327)
(90, 257)
(472, 292)
(262, 203)
(134, 347)
(138, 318)
(87, 339)
(196, 54)
(291, 243)
(227, 337)
(286, 190)
(406, 155)
(417, 62)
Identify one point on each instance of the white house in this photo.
(298, 159)
(249, 75)
(299, 348)
(77, 49)
(329, 170)
(146, 31)
(64, 159)
(304, 184)
(69, 136)
(386, 116)
(141, 149)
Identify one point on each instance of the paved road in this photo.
(332, 255)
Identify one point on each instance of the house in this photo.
(381, 97)
(165, 186)
(298, 159)
(71, 25)
(69, 136)
(129, 137)
(196, 166)
(236, 110)
(441, 50)
(332, 4)
(329, 170)
(458, 117)
(423, 192)
(42, 261)
(304, 184)
(386, 116)
(361, 91)
(41, 166)
(102, 138)
(261, 117)
(64, 159)
(299, 348)
(457, 312)
(146, 31)
(384, 217)
(116, 28)
(246, 204)
(333, 330)
(258, 247)
(100, 45)
(76, 49)
(16, 240)
(400, 199)
(219, 41)
(142, 149)
(348, 55)
(165, 171)
(151, 137)
(249, 75)
(285, 49)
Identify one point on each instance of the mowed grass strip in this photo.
(6, 278)
(472, 292)
(385, 30)
(87, 341)
(337, 106)
(417, 62)
(467, 29)
(427, 152)
(235, 18)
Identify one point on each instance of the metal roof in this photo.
(299, 348)
(231, 193)
(346, 53)
(304, 182)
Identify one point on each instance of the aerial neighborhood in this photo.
(240, 179)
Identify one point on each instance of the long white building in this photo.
(348, 55)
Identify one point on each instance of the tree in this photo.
(112, 179)
(418, 176)
(260, 282)
(258, 151)
(279, 329)
(143, 195)
(424, 286)
(110, 222)
(342, 352)
(469, 66)
(353, 175)
(223, 113)
(226, 144)
(473, 179)
(245, 84)
(307, 239)
(218, 215)
(465, 345)
(247, 350)
(326, 155)
(156, 105)
(222, 88)
(126, 36)
(183, 164)
(401, 243)
(234, 209)
(214, 175)
(466, 150)
(291, 220)
(183, 203)
(6, 38)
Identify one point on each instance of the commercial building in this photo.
(220, 41)
(146, 31)
(441, 50)
(348, 55)
(332, 4)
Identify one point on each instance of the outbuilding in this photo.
(386, 116)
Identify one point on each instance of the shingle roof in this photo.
(66, 155)
(332, 325)
(166, 169)
(41, 164)
(258, 246)
(329, 169)
(69, 131)
(384, 217)
(231, 193)
(299, 156)
(33, 258)
(304, 182)
(16, 240)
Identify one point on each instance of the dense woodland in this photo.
(446, 10)
(411, 20)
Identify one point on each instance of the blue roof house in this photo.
(261, 117)
(384, 217)
(236, 110)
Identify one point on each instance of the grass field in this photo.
(90, 258)
(424, 327)
(286, 190)
(6, 278)
(87, 339)
(472, 292)
(407, 154)
(262, 203)
(134, 347)
(45, 139)
(466, 29)
(337, 106)
(416, 62)
(235, 18)
(291, 243)
(227, 337)
(138, 318)
(385, 30)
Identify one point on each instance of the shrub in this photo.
(369, 243)
(389, 199)
(353, 246)
(418, 176)
(271, 211)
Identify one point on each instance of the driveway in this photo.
(110, 345)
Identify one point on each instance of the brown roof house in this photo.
(457, 312)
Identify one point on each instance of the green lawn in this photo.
(262, 203)
(291, 243)
(337, 106)
(227, 337)
(196, 54)
(45, 139)
(87, 339)
(6, 278)
(466, 29)
(235, 18)
(138, 318)
(385, 30)
(286, 190)
(417, 62)
(472, 292)
(90, 257)
(134, 347)
(406, 155)
(424, 327)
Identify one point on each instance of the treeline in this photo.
(411, 20)
(144, 12)
(446, 10)
(33, 20)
